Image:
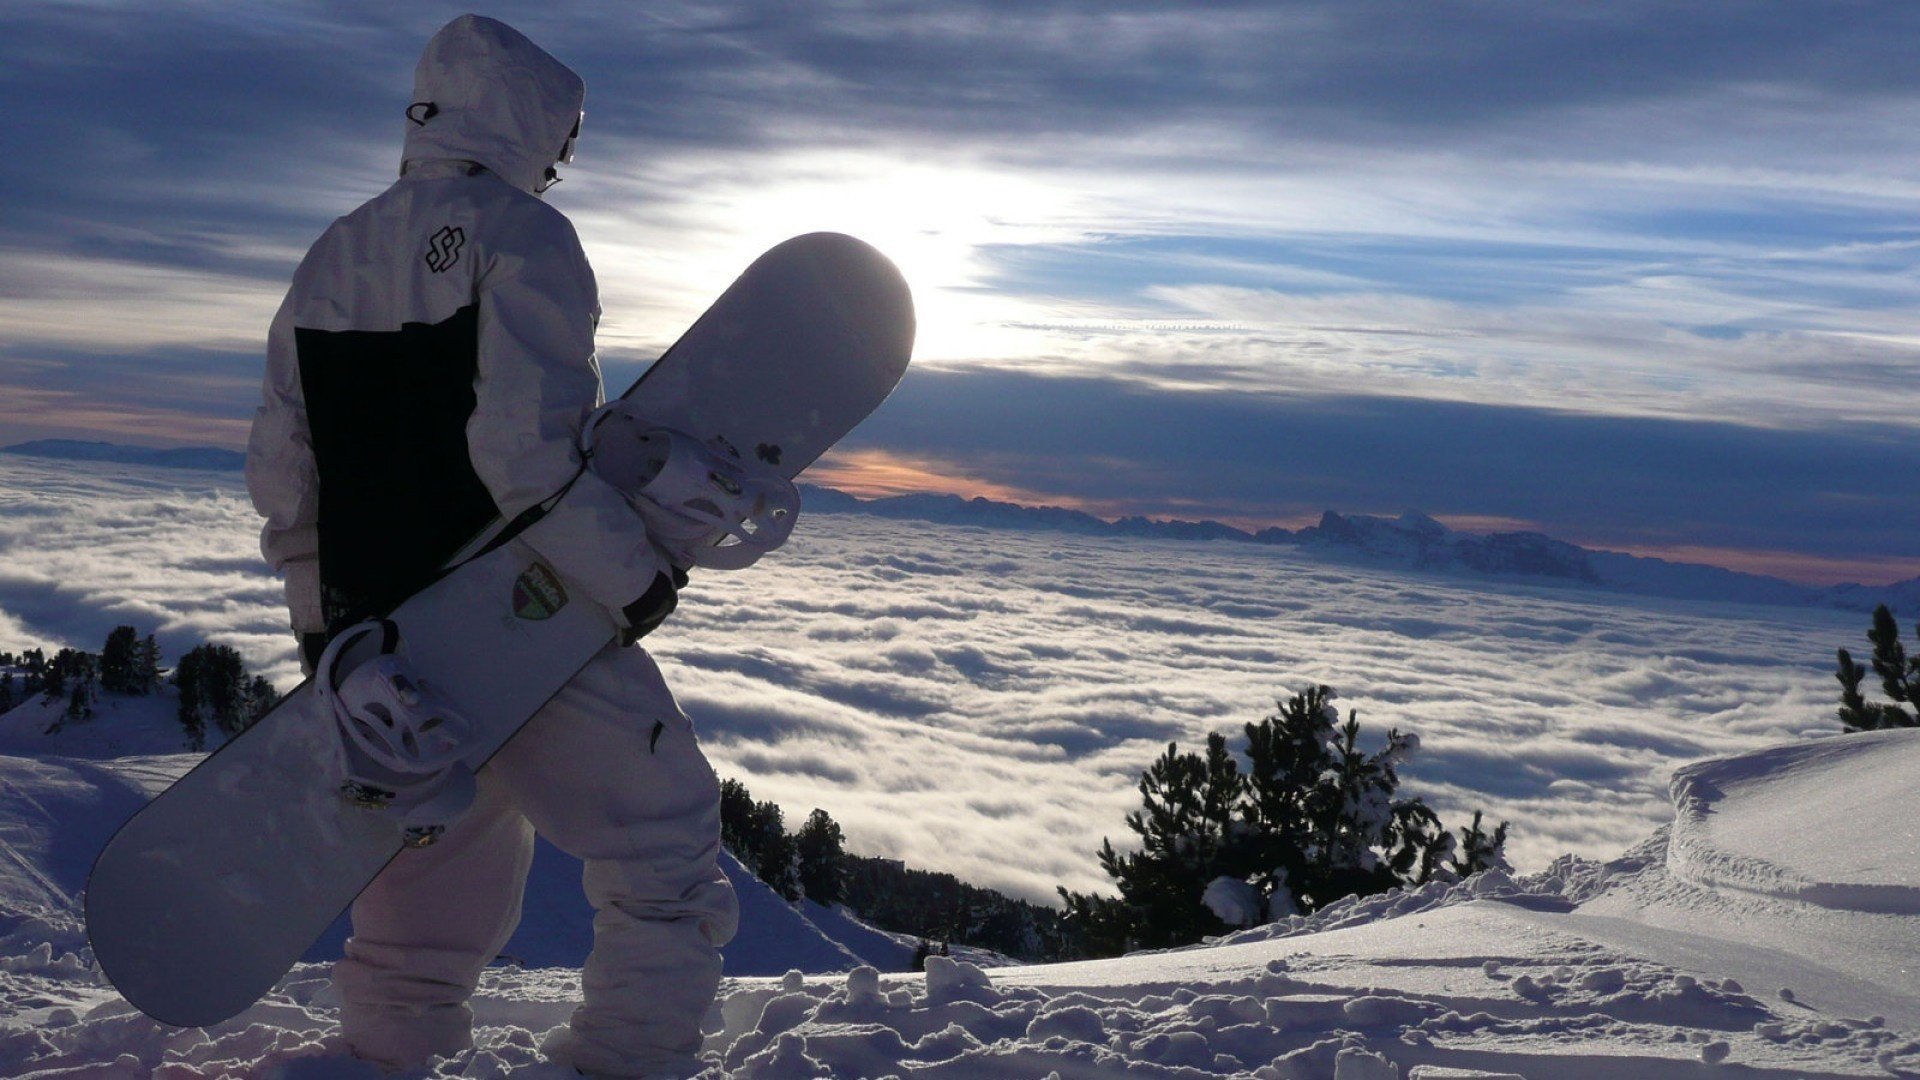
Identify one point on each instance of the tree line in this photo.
(813, 863)
(810, 863)
(215, 690)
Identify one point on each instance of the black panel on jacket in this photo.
(398, 494)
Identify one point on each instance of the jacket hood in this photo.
(496, 99)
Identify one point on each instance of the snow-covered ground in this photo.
(1771, 930)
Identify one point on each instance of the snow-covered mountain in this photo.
(1419, 542)
(1414, 541)
(1770, 930)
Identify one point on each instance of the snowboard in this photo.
(207, 896)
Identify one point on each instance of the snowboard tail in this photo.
(208, 895)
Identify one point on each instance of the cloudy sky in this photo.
(1641, 275)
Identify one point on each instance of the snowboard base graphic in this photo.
(208, 895)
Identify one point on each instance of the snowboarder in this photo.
(429, 369)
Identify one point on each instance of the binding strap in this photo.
(389, 643)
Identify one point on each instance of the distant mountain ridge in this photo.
(1412, 540)
(184, 457)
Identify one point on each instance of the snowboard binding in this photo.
(400, 742)
(703, 503)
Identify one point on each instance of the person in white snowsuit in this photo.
(429, 369)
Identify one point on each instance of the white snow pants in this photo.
(609, 771)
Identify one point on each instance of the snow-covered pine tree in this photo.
(1184, 825)
(1313, 819)
(1899, 679)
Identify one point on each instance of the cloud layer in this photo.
(982, 701)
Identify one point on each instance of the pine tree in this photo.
(736, 822)
(1899, 679)
(260, 699)
(117, 661)
(757, 835)
(214, 692)
(69, 668)
(146, 666)
(192, 711)
(1184, 826)
(1314, 818)
(79, 702)
(6, 692)
(821, 850)
(35, 661)
(774, 854)
(1479, 851)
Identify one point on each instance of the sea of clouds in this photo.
(981, 701)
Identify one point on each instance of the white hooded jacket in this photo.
(433, 359)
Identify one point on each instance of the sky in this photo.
(1638, 275)
(982, 701)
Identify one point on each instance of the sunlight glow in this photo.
(934, 219)
(877, 474)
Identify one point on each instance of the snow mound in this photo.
(1655, 964)
(1835, 822)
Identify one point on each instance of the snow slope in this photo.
(1764, 822)
(65, 790)
(1751, 938)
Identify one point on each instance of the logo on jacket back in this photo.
(444, 249)
(537, 593)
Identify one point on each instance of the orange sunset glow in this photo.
(877, 474)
